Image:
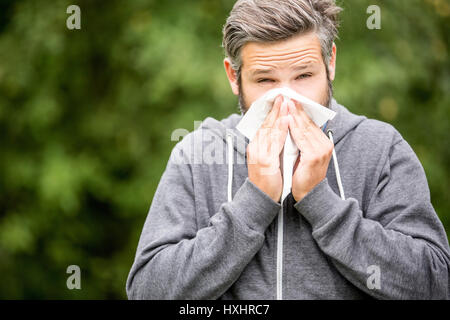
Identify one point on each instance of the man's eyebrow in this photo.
(303, 66)
(257, 72)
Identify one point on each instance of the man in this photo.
(368, 231)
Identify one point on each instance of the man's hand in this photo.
(263, 152)
(315, 151)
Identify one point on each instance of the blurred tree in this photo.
(86, 118)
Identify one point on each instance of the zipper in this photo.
(280, 254)
(280, 235)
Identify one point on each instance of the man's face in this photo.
(296, 63)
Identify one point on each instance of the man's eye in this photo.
(264, 80)
(304, 75)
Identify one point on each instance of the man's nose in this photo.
(284, 84)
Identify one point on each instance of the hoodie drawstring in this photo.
(230, 166)
(336, 167)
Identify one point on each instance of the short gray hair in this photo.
(274, 20)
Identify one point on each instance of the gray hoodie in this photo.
(212, 234)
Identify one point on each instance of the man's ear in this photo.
(232, 76)
(332, 64)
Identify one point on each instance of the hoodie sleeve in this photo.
(397, 248)
(176, 260)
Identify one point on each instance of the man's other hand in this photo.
(315, 151)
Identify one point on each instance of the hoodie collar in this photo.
(343, 122)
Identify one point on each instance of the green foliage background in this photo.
(86, 117)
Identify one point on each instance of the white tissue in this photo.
(255, 116)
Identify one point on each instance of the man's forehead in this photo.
(304, 48)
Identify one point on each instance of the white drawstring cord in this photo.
(230, 165)
(336, 167)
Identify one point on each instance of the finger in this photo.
(266, 132)
(273, 114)
(259, 142)
(315, 129)
(282, 125)
(306, 128)
(299, 136)
(280, 134)
(284, 109)
(281, 129)
(309, 124)
(297, 161)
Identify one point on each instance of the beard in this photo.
(325, 101)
